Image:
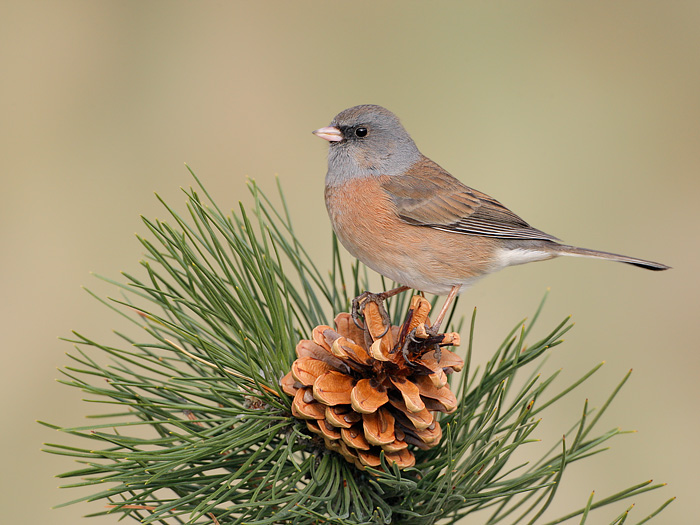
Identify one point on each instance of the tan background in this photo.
(581, 116)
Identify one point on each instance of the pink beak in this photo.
(329, 133)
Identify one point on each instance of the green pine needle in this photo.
(196, 429)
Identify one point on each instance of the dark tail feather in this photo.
(574, 251)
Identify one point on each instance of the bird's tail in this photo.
(574, 251)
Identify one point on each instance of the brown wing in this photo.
(429, 196)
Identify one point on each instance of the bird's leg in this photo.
(359, 302)
(441, 316)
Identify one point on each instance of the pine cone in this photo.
(364, 391)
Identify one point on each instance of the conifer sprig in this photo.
(196, 429)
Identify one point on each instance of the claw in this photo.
(421, 336)
(385, 317)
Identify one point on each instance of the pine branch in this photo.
(197, 429)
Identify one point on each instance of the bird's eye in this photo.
(361, 132)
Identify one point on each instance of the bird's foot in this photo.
(358, 307)
(419, 341)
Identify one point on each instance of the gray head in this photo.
(364, 141)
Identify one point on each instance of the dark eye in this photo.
(361, 132)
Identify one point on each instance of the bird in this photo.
(409, 219)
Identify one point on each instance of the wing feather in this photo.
(427, 195)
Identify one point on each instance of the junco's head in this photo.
(364, 140)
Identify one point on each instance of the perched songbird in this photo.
(407, 218)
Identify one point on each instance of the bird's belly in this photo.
(426, 259)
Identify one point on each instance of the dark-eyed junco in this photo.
(405, 217)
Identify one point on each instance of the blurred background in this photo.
(583, 117)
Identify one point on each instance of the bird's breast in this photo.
(363, 216)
